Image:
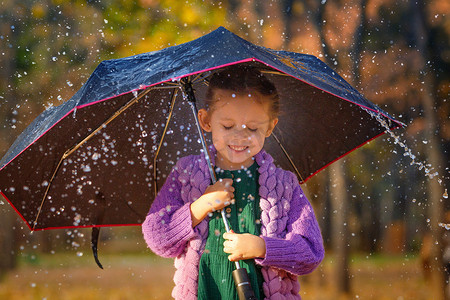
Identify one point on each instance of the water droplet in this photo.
(446, 226)
(445, 195)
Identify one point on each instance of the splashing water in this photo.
(427, 168)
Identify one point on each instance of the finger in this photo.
(228, 236)
(228, 182)
(226, 247)
(235, 257)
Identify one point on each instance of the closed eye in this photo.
(252, 129)
(227, 127)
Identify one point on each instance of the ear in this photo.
(272, 124)
(204, 120)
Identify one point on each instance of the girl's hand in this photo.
(220, 194)
(216, 197)
(243, 246)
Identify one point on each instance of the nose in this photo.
(241, 133)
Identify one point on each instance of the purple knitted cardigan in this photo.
(288, 226)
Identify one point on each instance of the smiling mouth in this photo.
(237, 148)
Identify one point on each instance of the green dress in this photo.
(215, 278)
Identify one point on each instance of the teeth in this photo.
(238, 148)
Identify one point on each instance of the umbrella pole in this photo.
(240, 276)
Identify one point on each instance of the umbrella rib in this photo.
(169, 117)
(287, 156)
(274, 72)
(79, 144)
(201, 77)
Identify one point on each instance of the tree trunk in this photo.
(435, 192)
(339, 231)
(338, 199)
(7, 242)
(7, 69)
(433, 151)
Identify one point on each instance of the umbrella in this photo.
(97, 159)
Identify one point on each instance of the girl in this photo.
(276, 236)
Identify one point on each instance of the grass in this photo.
(143, 275)
(396, 277)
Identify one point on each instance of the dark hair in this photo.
(243, 79)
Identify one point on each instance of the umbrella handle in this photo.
(189, 96)
(240, 275)
(243, 286)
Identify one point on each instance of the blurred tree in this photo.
(8, 113)
(50, 47)
(337, 184)
(421, 40)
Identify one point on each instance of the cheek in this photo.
(218, 136)
(256, 138)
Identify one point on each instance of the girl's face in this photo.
(239, 125)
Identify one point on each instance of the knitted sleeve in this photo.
(168, 225)
(301, 251)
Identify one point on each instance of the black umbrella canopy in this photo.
(96, 159)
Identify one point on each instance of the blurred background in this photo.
(385, 222)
